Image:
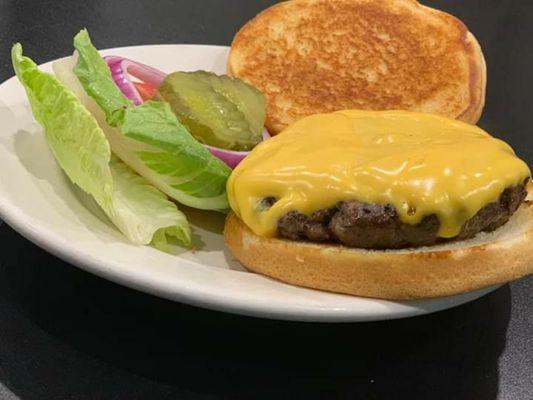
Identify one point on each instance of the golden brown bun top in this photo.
(311, 56)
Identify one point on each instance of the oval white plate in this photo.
(38, 201)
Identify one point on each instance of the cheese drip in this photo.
(420, 163)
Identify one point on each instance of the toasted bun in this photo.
(315, 56)
(488, 259)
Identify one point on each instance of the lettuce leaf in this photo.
(150, 138)
(80, 147)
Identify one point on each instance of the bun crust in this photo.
(488, 259)
(317, 56)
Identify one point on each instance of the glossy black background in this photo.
(65, 334)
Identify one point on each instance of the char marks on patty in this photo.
(374, 226)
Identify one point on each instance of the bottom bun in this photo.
(443, 270)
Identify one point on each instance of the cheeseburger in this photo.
(385, 204)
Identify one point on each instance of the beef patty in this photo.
(373, 226)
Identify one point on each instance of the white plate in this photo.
(38, 201)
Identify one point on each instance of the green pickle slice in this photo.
(218, 110)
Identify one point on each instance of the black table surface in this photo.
(65, 334)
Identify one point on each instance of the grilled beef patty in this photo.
(373, 226)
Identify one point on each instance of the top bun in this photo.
(316, 56)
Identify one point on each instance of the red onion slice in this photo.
(122, 69)
(230, 157)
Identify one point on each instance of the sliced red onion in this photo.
(231, 157)
(122, 69)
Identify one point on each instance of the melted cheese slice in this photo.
(421, 164)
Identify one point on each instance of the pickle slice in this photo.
(249, 100)
(218, 110)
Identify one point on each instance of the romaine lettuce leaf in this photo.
(149, 138)
(139, 210)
